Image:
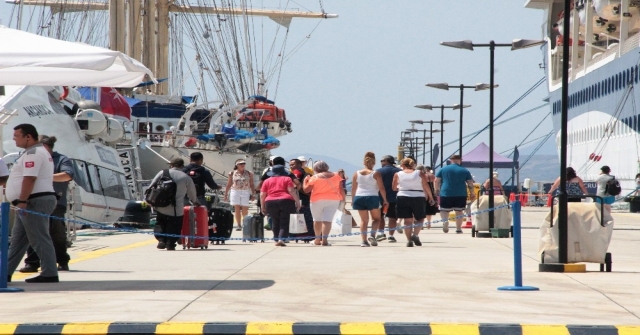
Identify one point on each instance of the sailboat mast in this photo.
(117, 28)
(149, 36)
(247, 47)
(134, 43)
(162, 53)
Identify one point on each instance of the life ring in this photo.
(65, 93)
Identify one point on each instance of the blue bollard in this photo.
(517, 253)
(4, 249)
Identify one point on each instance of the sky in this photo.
(352, 87)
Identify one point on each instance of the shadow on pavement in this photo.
(146, 285)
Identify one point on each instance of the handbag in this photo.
(297, 224)
(341, 223)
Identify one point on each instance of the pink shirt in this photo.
(326, 188)
(276, 188)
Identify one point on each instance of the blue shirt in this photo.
(454, 180)
(387, 172)
(61, 163)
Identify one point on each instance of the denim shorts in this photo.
(366, 203)
(608, 200)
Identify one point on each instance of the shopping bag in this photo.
(297, 225)
(341, 223)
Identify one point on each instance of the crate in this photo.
(499, 232)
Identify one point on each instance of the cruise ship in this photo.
(603, 103)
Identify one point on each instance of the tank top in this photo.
(240, 181)
(410, 184)
(573, 188)
(367, 185)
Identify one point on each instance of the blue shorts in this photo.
(366, 203)
(608, 200)
(448, 204)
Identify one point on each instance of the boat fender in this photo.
(592, 156)
(65, 93)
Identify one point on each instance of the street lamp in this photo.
(414, 152)
(515, 45)
(442, 122)
(424, 137)
(476, 87)
(431, 131)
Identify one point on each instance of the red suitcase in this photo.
(195, 226)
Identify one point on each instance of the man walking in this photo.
(387, 171)
(62, 174)
(452, 182)
(170, 217)
(200, 176)
(30, 188)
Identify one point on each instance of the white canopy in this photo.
(29, 59)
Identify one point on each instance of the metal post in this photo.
(4, 249)
(562, 204)
(431, 145)
(424, 144)
(517, 253)
(461, 109)
(441, 136)
(492, 47)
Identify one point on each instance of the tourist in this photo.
(366, 184)
(386, 172)
(343, 183)
(239, 190)
(200, 176)
(601, 183)
(295, 166)
(575, 186)
(432, 206)
(637, 185)
(30, 188)
(279, 198)
(326, 195)
(497, 185)
(305, 161)
(413, 196)
(452, 183)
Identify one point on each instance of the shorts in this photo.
(324, 210)
(366, 203)
(240, 197)
(391, 211)
(411, 207)
(608, 200)
(448, 204)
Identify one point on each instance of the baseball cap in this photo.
(272, 157)
(389, 159)
(302, 158)
(177, 162)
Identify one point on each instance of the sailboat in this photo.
(230, 52)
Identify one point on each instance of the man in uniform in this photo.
(200, 176)
(452, 183)
(30, 188)
(62, 174)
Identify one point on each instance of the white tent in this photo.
(29, 59)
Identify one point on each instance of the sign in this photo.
(127, 166)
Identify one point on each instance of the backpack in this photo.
(163, 192)
(613, 187)
(198, 180)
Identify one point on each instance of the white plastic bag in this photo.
(341, 223)
(297, 224)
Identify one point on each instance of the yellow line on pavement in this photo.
(8, 328)
(628, 330)
(458, 329)
(544, 329)
(271, 328)
(89, 328)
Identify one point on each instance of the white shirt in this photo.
(367, 185)
(34, 162)
(410, 184)
(4, 171)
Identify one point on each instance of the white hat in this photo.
(272, 157)
(495, 173)
(302, 158)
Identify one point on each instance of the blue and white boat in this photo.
(604, 69)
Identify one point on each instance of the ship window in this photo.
(94, 179)
(159, 128)
(112, 185)
(635, 123)
(635, 74)
(80, 174)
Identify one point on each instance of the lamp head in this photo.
(424, 106)
(484, 86)
(457, 106)
(466, 44)
(523, 44)
(448, 121)
(418, 121)
(441, 86)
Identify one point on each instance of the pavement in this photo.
(451, 281)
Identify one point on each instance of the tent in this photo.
(479, 158)
(29, 59)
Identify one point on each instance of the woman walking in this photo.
(575, 186)
(241, 186)
(413, 195)
(366, 184)
(326, 195)
(432, 208)
(279, 197)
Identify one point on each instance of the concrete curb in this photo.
(286, 328)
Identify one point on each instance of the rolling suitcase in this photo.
(253, 228)
(220, 225)
(195, 227)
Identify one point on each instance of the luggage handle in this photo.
(584, 196)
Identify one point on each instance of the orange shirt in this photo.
(326, 188)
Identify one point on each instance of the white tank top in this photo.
(367, 185)
(410, 184)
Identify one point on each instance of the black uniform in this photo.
(201, 177)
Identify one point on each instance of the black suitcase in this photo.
(220, 225)
(253, 228)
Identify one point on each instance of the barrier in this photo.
(517, 254)
(4, 250)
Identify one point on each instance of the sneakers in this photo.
(28, 268)
(445, 227)
(381, 237)
(63, 267)
(43, 279)
(372, 241)
(266, 227)
(399, 229)
(416, 240)
(161, 245)
(364, 244)
(410, 244)
(458, 231)
(392, 239)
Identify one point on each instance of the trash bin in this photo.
(634, 204)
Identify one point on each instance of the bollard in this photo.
(4, 249)
(517, 254)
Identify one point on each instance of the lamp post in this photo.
(431, 131)
(515, 45)
(414, 152)
(442, 122)
(476, 87)
(424, 137)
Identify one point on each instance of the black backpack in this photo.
(198, 180)
(613, 187)
(163, 192)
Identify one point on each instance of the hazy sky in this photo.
(352, 87)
